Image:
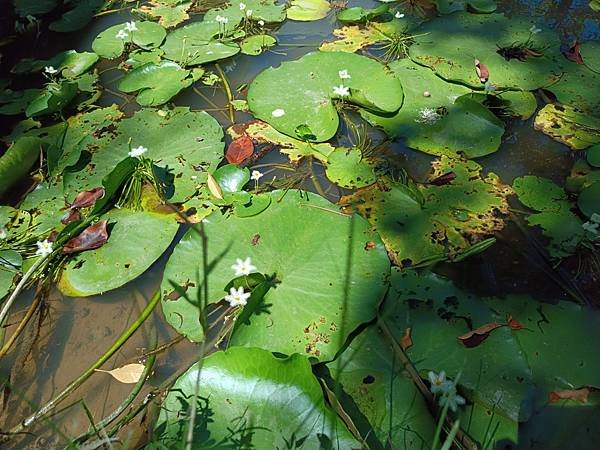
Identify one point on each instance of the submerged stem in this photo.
(228, 92)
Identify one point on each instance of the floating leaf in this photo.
(308, 10)
(16, 162)
(71, 64)
(239, 150)
(94, 236)
(169, 13)
(475, 337)
(78, 16)
(569, 126)
(128, 374)
(53, 98)
(589, 200)
(148, 35)
(347, 168)
(213, 187)
(580, 395)
(358, 14)
(256, 44)
(479, 6)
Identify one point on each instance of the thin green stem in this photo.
(228, 92)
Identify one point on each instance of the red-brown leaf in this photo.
(514, 324)
(92, 237)
(443, 179)
(482, 71)
(71, 216)
(406, 340)
(239, 150)
(573, 53)
(87, 198)
(580, 395)
(475, 337)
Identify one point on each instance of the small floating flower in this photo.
(278, 112)
(131, 26)
(534, 29)
(242, 6)
(50, 70)
(221, 19)
(439, 383)
(398, 15)
(341, 90)
(244, 267)
(237, 297)
(428, 116)
(44, 247)
(2, 233)
(426, 94)
(122, 34)
(138, 151)
(453, 399)
(590, 227)
(261, 23)
(256, 175)
(249, 13)
(344, 75)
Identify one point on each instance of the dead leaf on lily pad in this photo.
(240, 149)
(574, 53)
(128, 374)
(87, 198)
(94, 236)
(477, 336)
(406, 340)
(513, 323)
(580, 395)
(213, 186)
(482, 71)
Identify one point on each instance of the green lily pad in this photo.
(568, 125)
(156, 83)
(81, 13)
(256, 44)
(554, 216)
(359, 14)
(589, 200)
(300, 93)
(26, 8)
(593, 155)
(296, 319)
(423, 224)
(45, 205)
(248, 394)
(347, 168)
(440, 44)
(478, 6)
(147, 35)
(168, 13)
(183, 141)
(71, 63)
(436, 119)
(582, 175)
(16, 102)
(53, 98)
(308, 10)
(136, 240)
(17, 160)
(138, 58)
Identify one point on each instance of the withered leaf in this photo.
(443, 179)
(92, 237)
(87, 198)
(482, 71)
(213, 187)
(129, 373)
(581, 395)
(513, 323)
(71, 216)
(573, 53)
(406, 340)
(477, 336)
(239, 150)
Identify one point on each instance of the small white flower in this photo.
(242, 6)
(428, 116)
(534, 29)
(278, 112)
(438, 382)
(138, 151)
(237, 297)
(261, 23)
(344, 75)
(590, 227)
(453, 399)
(595, 218)
(341, 90)
(244, 267)
(131, 26)
(221, 19)
(249, 13)
(256, 175)
(398, 15)
(3, 232)
(50, 70)
(122, 34)
(44, 247)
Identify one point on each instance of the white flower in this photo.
(249, 13)
(237, 297)
(590, 227)
(398, 15)
(44, 247)
(131, 26)
(243, 267)
(50, 70)
(344, 75)
(3, 232)
(453, 399)
(428, 116)
(242, 6)
(439, 384)
(261, 23)
(256, 175)
(341, 90)
(221, 19)
(138, 151)
(122, 34)
(595, 218)
(534, 29)
(278, 112)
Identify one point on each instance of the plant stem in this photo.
(28, 315)
(228, 92)
(48, 407)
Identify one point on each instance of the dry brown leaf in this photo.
(94, 236)
(239, 150)
(482, 71)
(406, 340)
(87, 198)
(514, 324)
(477, 336)
(581, 395)
(213, 187)
(128, 374)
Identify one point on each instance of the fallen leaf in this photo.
(92, 237)
(443, 179)
(513, 323)
(87, 198)
(573, 53)
(475, 337)
(71, 216)
(214, 187)
(370, 245)
(239, 150)
(255, 240)
(482, 71)
(406, 341)
(128, 374)
(581, 395)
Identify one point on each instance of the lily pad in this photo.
(81, 13)
(295, 319)
(347, 168)
(308, 10)
(593, 155)
(45, 205)
(156, 83)
(300, 94)
(426, 223)
(554, 215)
(589, 200)
(357, 14)
(478, 6)
(53, 98)
(169, 13)
(437, 119)
(136, 240)
(71, 63)
(247, 393)
(353, 38)
(147, 35)
(256, 44)
(440, 44)
(17, 160)
(568, 125)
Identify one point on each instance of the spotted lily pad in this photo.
(295, 319)
(347, 168)
(156, 83)
(568, 125)
(491, 39)
(299, 94)
(169, 12)
(308, 10)
(353, 38)
(554, 214)
(249, 394)
(111, 42)
(436, 119)
(423, 224)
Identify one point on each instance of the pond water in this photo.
(70, 333)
